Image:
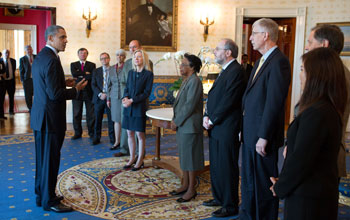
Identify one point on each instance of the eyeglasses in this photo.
(257, 32)
(220, 48)
(104, 58)
(183, 64)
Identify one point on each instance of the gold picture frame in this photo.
(345, 27)
(17, 12)
(154, 24)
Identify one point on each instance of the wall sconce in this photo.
(89, 20)
(206, 25)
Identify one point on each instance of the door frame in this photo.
(293, 12)
(31, 28)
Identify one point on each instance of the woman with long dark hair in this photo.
(309, 179)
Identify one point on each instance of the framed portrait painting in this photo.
(345, 28)
(152, 22)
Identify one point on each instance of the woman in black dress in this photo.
(138, 89)
(309, 179)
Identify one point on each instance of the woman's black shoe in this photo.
(137, 168)
(181, 200)
(129, 166)
(174, 193)
(115, 147)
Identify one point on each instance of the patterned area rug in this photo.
(103, 189)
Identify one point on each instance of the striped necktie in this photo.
(257, 69)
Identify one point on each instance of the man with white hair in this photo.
(25, 70)
(263, 122)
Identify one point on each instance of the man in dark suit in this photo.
(48, 116)
(100, 87)
(133, 46)
(10, 79)
(222, 120)
(25, 71)
(263, 122)
(246, 67)
(2, 88)
(82, 69)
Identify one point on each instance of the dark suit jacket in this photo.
(13, 64)
(224, 101)
(247, 72)
(2, 70)
(310, 169)
(138, 87)
(50, 93)
(25, 69)
(264, 101)
(75, 68)
(97, 83)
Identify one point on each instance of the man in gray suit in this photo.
(25, 70)
(133, 46)
(331, 36)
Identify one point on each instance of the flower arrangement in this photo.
(205, 54)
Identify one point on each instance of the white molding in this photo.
(295, 12)
(25, 27)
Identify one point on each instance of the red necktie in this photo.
(30, 60)
(82, 66)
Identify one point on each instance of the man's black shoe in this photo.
(3, 117)
(76, 137)
(95, 141)
(211, 202)
(119, 154)
(59, 208)
(223, 212)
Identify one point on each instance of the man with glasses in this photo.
(99, 87)
(222, 120)
(263, 122)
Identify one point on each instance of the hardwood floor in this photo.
(19, 124)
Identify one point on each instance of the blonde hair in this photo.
(145, 60)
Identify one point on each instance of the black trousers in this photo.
(2, 97)
(10, 86)
(258, 203)
(48, 154)
(100, 108)
(224, 171)
(77, 116)
(28, 92)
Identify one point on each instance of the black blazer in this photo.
(50, 94)
(25, 69)
(313, 140)
(75, 68)
(247, 72)
(138, 87)
(13, 64)
(224, 101)
(264, 101)
(97, 83)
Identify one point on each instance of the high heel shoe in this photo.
(137, 168)
(174, 193)
(129, 166)
(181, 200)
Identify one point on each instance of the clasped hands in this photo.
(127, 102)
(206, 124)
(78, 86)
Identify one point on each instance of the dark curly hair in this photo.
(194, 61)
